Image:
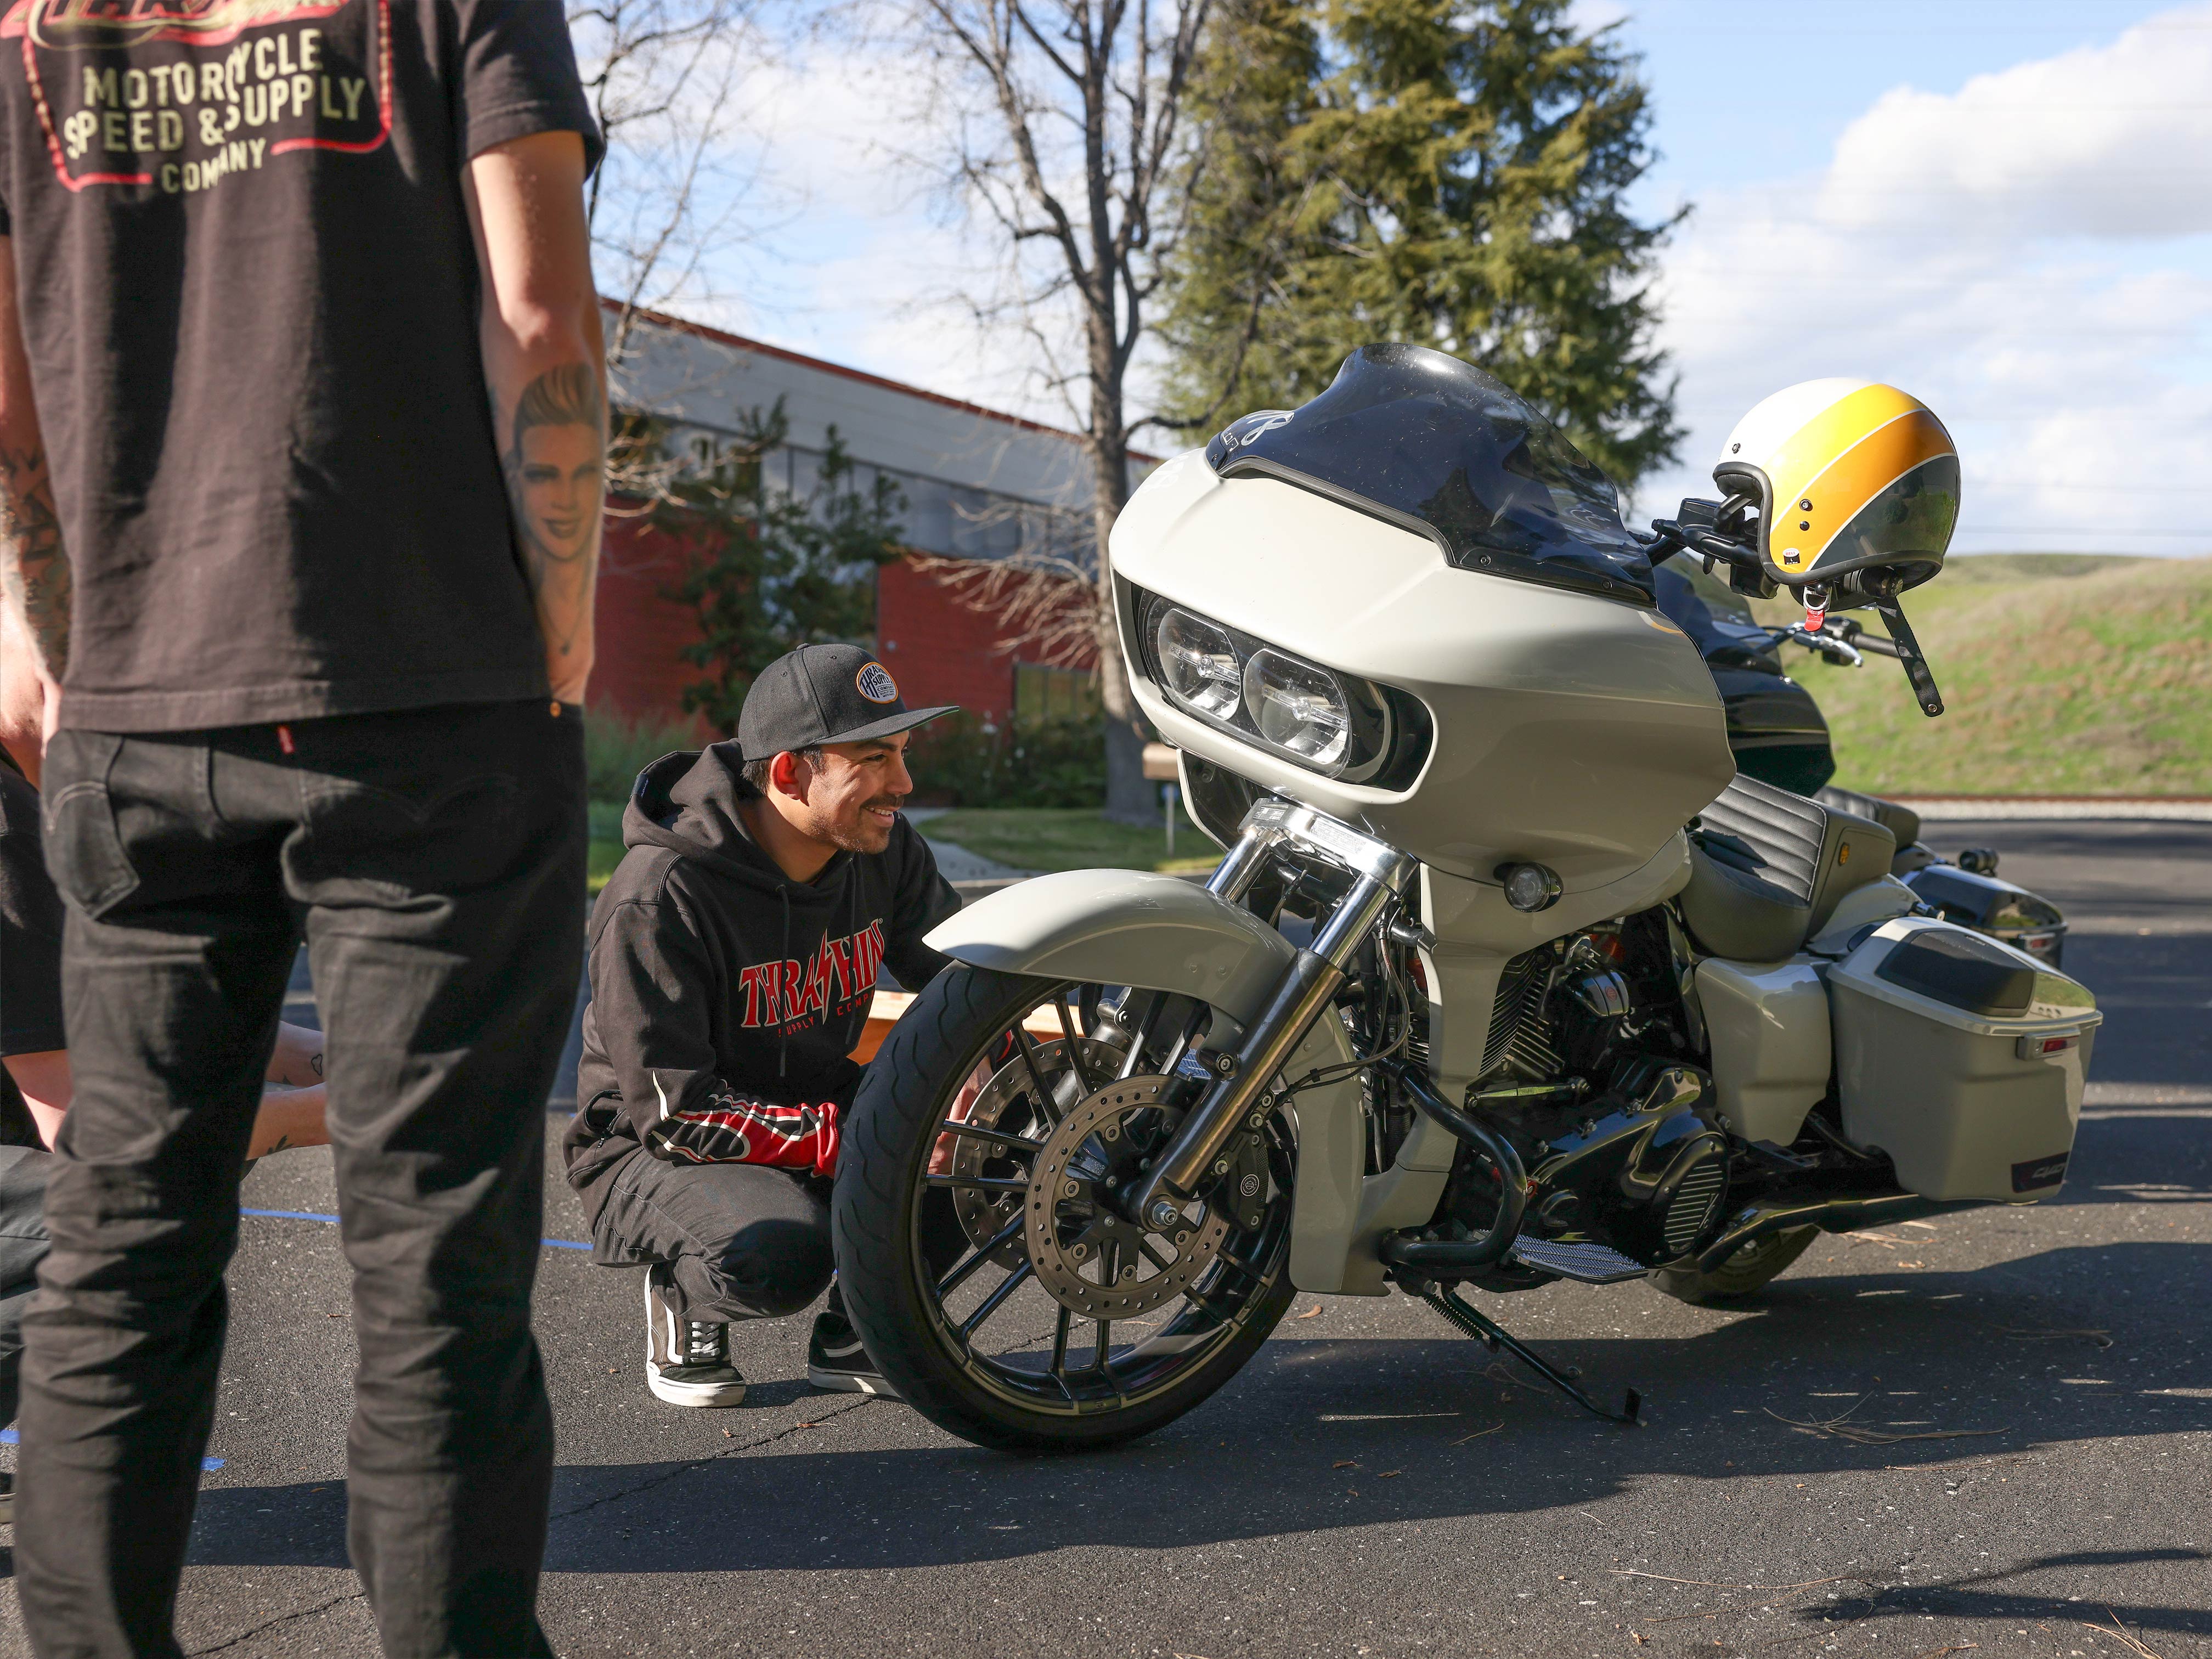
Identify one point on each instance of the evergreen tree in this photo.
(1436, 172)
(772, 569)
(1253, 203)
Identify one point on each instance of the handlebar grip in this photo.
(1879, 648)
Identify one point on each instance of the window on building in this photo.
(1045, 693)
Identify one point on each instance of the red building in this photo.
(980, 487)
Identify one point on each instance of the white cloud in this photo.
(2029, 256)
(2102, 141)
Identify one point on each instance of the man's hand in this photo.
(941, 1155)
(545, 368)
(731, 1130)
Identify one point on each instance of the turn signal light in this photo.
(1529, 886)
(2037, 1047)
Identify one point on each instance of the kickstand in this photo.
(1483, 1328)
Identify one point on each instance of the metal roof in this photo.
(967, 471)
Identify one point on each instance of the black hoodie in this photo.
(715, 973)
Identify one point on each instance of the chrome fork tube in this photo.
(1314, 978)
(1241, 867)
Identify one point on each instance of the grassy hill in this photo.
(2069, 673)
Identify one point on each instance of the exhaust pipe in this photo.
(1830, 1214)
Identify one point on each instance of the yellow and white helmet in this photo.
(1847, 474)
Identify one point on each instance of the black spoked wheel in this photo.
(982, 1256)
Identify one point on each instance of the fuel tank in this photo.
(1565, 728)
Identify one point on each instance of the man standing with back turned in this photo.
(302, 415)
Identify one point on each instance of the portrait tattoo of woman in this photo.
(556, 468)
(556, 474)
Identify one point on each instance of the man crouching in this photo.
(734, 959)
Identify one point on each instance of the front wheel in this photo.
(982, 1259)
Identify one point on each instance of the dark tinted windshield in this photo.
(1718, 622)
(1437, 447)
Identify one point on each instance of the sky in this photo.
(2002, 206)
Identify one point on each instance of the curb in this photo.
(1940, 809)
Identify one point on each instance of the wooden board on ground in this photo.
(888, 1005)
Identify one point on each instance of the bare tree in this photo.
(1064, 137)
(673, 195)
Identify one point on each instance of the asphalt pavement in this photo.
(1989, 1433)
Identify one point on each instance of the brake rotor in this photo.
(983, 1215)
(1094, 1261)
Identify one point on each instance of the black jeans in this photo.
(22, 1244)
(434, 859)
(741, 1240)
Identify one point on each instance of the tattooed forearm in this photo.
(34, 568)
(555, 467)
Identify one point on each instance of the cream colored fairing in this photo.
(1570, 731)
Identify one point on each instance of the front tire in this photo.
(895, 1226)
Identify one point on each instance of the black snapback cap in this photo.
(823, 694)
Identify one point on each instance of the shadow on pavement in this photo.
(1966, 1597)
(1323, 1434)
(2146, 1159)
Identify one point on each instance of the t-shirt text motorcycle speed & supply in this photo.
(250, 298)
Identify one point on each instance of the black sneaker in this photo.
(687, 1361)
(7, 1499)
(836, 1360)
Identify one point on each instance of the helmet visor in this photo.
(1912, 518)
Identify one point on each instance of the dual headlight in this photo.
(1335, 723)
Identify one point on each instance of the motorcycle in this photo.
(1779, 736)
(1507, 977)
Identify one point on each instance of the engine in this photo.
(1592, 1068)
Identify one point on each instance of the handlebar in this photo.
(1701, 527)
(1845, 632)
(1833, 647)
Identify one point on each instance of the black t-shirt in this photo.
(30, 950)
(250, 296)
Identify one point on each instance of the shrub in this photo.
(618, 746)
(960, 761)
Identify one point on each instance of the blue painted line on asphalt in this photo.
(9, 1437)
(311, 1215)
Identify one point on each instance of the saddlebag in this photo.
(1961, 1058)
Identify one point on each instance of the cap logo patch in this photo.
(876, 683)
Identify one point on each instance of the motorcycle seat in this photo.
(1901, 822)
(1767, 868)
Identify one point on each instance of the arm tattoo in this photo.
(316, 1061)
(556, 467)
(34, 568)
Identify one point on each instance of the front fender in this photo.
(1161, 933)
(1124, 927)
